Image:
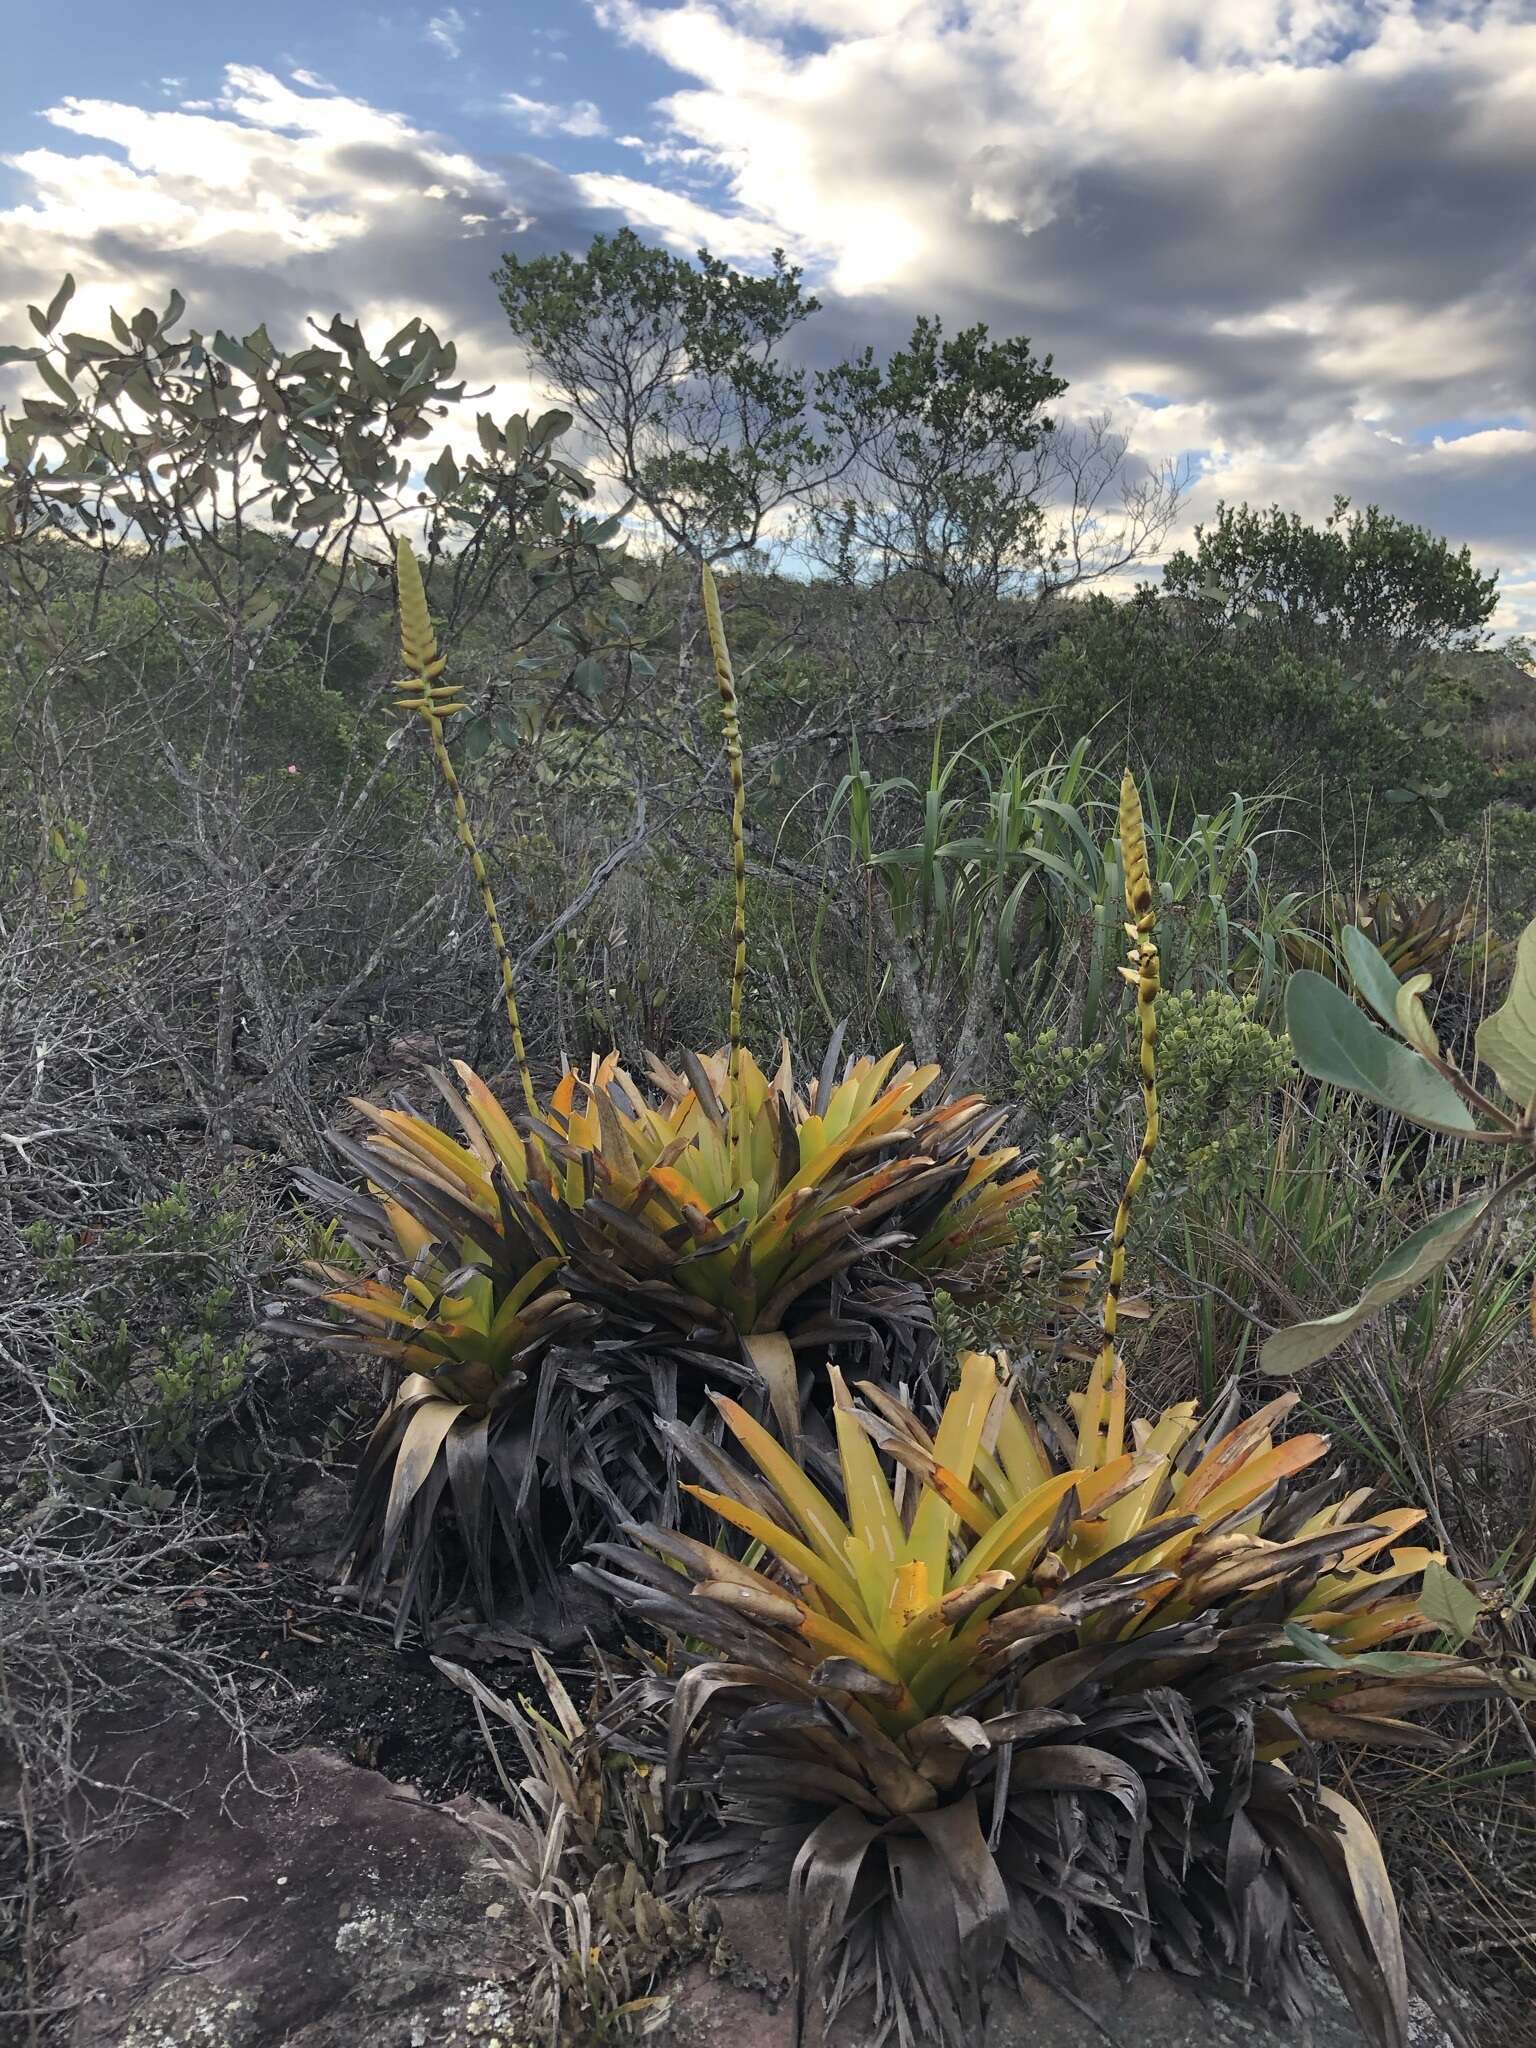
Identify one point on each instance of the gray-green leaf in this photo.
(1369, 971)
(1414, 1260)
(1334, 1042)
(1453, 1607)
(1506, 1041)
(59, 301)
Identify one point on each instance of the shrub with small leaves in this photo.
(151, 1340)
(1218, 1064)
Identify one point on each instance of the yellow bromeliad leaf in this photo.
(871, 1504)
(522, 1292)
(1016, 1538)
(955, 1447)
(834, 1581)
(1253, 1477)
(824, 1528)
(821, 1151)
(472, 1306)
(412, 1237)
(423, 1144)
(1100, 1412)
(909, 1596)
(496, 1124)
(1222, 1461)
(1020, 1451)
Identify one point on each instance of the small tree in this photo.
(962, 494)
(675, 372)
(186, 523)
(1371, 590)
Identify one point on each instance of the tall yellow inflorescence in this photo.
(433, 703)
(1103, 1413)
(725, 677)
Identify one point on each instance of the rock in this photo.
(309, 1527)
(321, 1908)
(744, 2002)
(325, 1907)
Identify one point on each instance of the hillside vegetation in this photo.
(582, 984)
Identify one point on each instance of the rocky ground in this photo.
(311, 1870)
(304, 1901)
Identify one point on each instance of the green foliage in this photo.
(1040, 1282)
(1364, 588)
(1307, 731)
(1219, 1066)
(946, 436)
(1220, 1070)
(1413, 934)
(324, 423)
(1506, 1041)
(153, 1337)
(1048, 1070)
(1494, 863)
(1002, 873)
(675, 369)
(1335, 1043)
(1424, 1253)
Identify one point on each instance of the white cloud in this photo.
(446, 30)
(1301, 225)
(544, 117)
(282, 205)
(1301, 221)
(679, 220)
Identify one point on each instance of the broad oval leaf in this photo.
(1428, 1249)
(1506, 1041)
(1369, 971)
(549, 426)
(1334, 1042)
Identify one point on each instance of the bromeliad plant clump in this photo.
(1040, 1689)
(542, 1295)
(1413, 934)
(557, 1286)
(1047, 1693)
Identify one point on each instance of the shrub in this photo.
(152, 1339)
(1306, 730)
(1367, 588)
(1219, 1066)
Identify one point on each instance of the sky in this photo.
(1290, 243)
